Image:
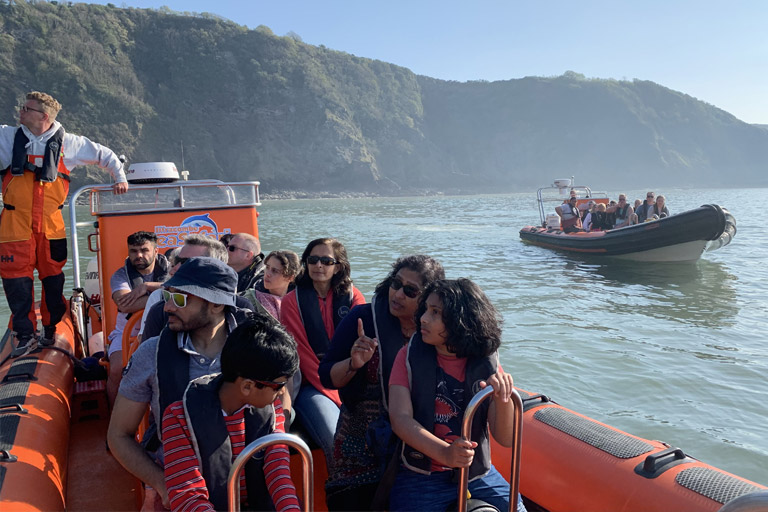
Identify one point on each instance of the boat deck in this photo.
(96, 481)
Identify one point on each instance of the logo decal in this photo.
(173, 236)
(201, 221)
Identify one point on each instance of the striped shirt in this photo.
(187, 490)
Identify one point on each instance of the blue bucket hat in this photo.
(208, 278)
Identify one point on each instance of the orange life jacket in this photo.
(33, 195)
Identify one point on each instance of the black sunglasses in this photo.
(274, 386)
(409, 290)
(25, 109)
(325, 260)
(181, 261)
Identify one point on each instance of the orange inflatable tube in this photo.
(573, 463)
(35, 393)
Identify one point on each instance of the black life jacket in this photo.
(642, 211)
(213, 447)
(599, 220)
(309, 311)
(172, 364)
(53, 153)
(159, 272)
(252, 276)
(390, 338)
(422, 358)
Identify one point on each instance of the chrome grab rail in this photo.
(233, 489)
(517, 443)
(752, 502)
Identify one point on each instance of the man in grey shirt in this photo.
(199, 300)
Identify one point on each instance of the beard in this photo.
(189, 322)
(140, 264)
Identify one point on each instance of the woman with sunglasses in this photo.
(324, 294)
(358, 363)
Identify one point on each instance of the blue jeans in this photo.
(436, 492)
(319, 415)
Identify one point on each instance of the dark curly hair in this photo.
(472, 323)
(289, 260)
(260, 349)
(427, 267)
(342, 280)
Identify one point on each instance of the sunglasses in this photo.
(179, 299)
(649, 197)
(232, 248)
(409, 290)
(25, 109)
(274, 386)
(181, 261)
(325, 260)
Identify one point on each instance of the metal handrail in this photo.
(180, 186)
(752, 502)
(517, 443)
(233, 489)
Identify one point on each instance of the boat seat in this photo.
(130, 344)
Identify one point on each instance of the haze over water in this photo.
(673, 352)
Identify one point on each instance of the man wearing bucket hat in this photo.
(200, 303)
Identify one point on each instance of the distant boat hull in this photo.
(677, 238)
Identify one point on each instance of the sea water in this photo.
(672, 352)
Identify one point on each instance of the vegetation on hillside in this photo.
(247, 104)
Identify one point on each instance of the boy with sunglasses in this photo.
(221, 414)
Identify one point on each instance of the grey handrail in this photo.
(233, 489)
(517, 443)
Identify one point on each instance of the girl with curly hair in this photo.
(453, 355)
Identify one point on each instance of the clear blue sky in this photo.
(714, 50)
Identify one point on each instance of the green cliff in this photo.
(246, 104)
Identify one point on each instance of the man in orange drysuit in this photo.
(35, 163)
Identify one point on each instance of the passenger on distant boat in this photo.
(358, 364)
(246, 258)
(36, 159)
(239, 405)
(570, 217)
(452, 355)
(323, 296)
(599, 219)
(586, 221)
(199, 300)
(623, 212)
(660, 209)
(143, 272)
(643, 212)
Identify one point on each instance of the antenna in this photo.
(184, 171)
